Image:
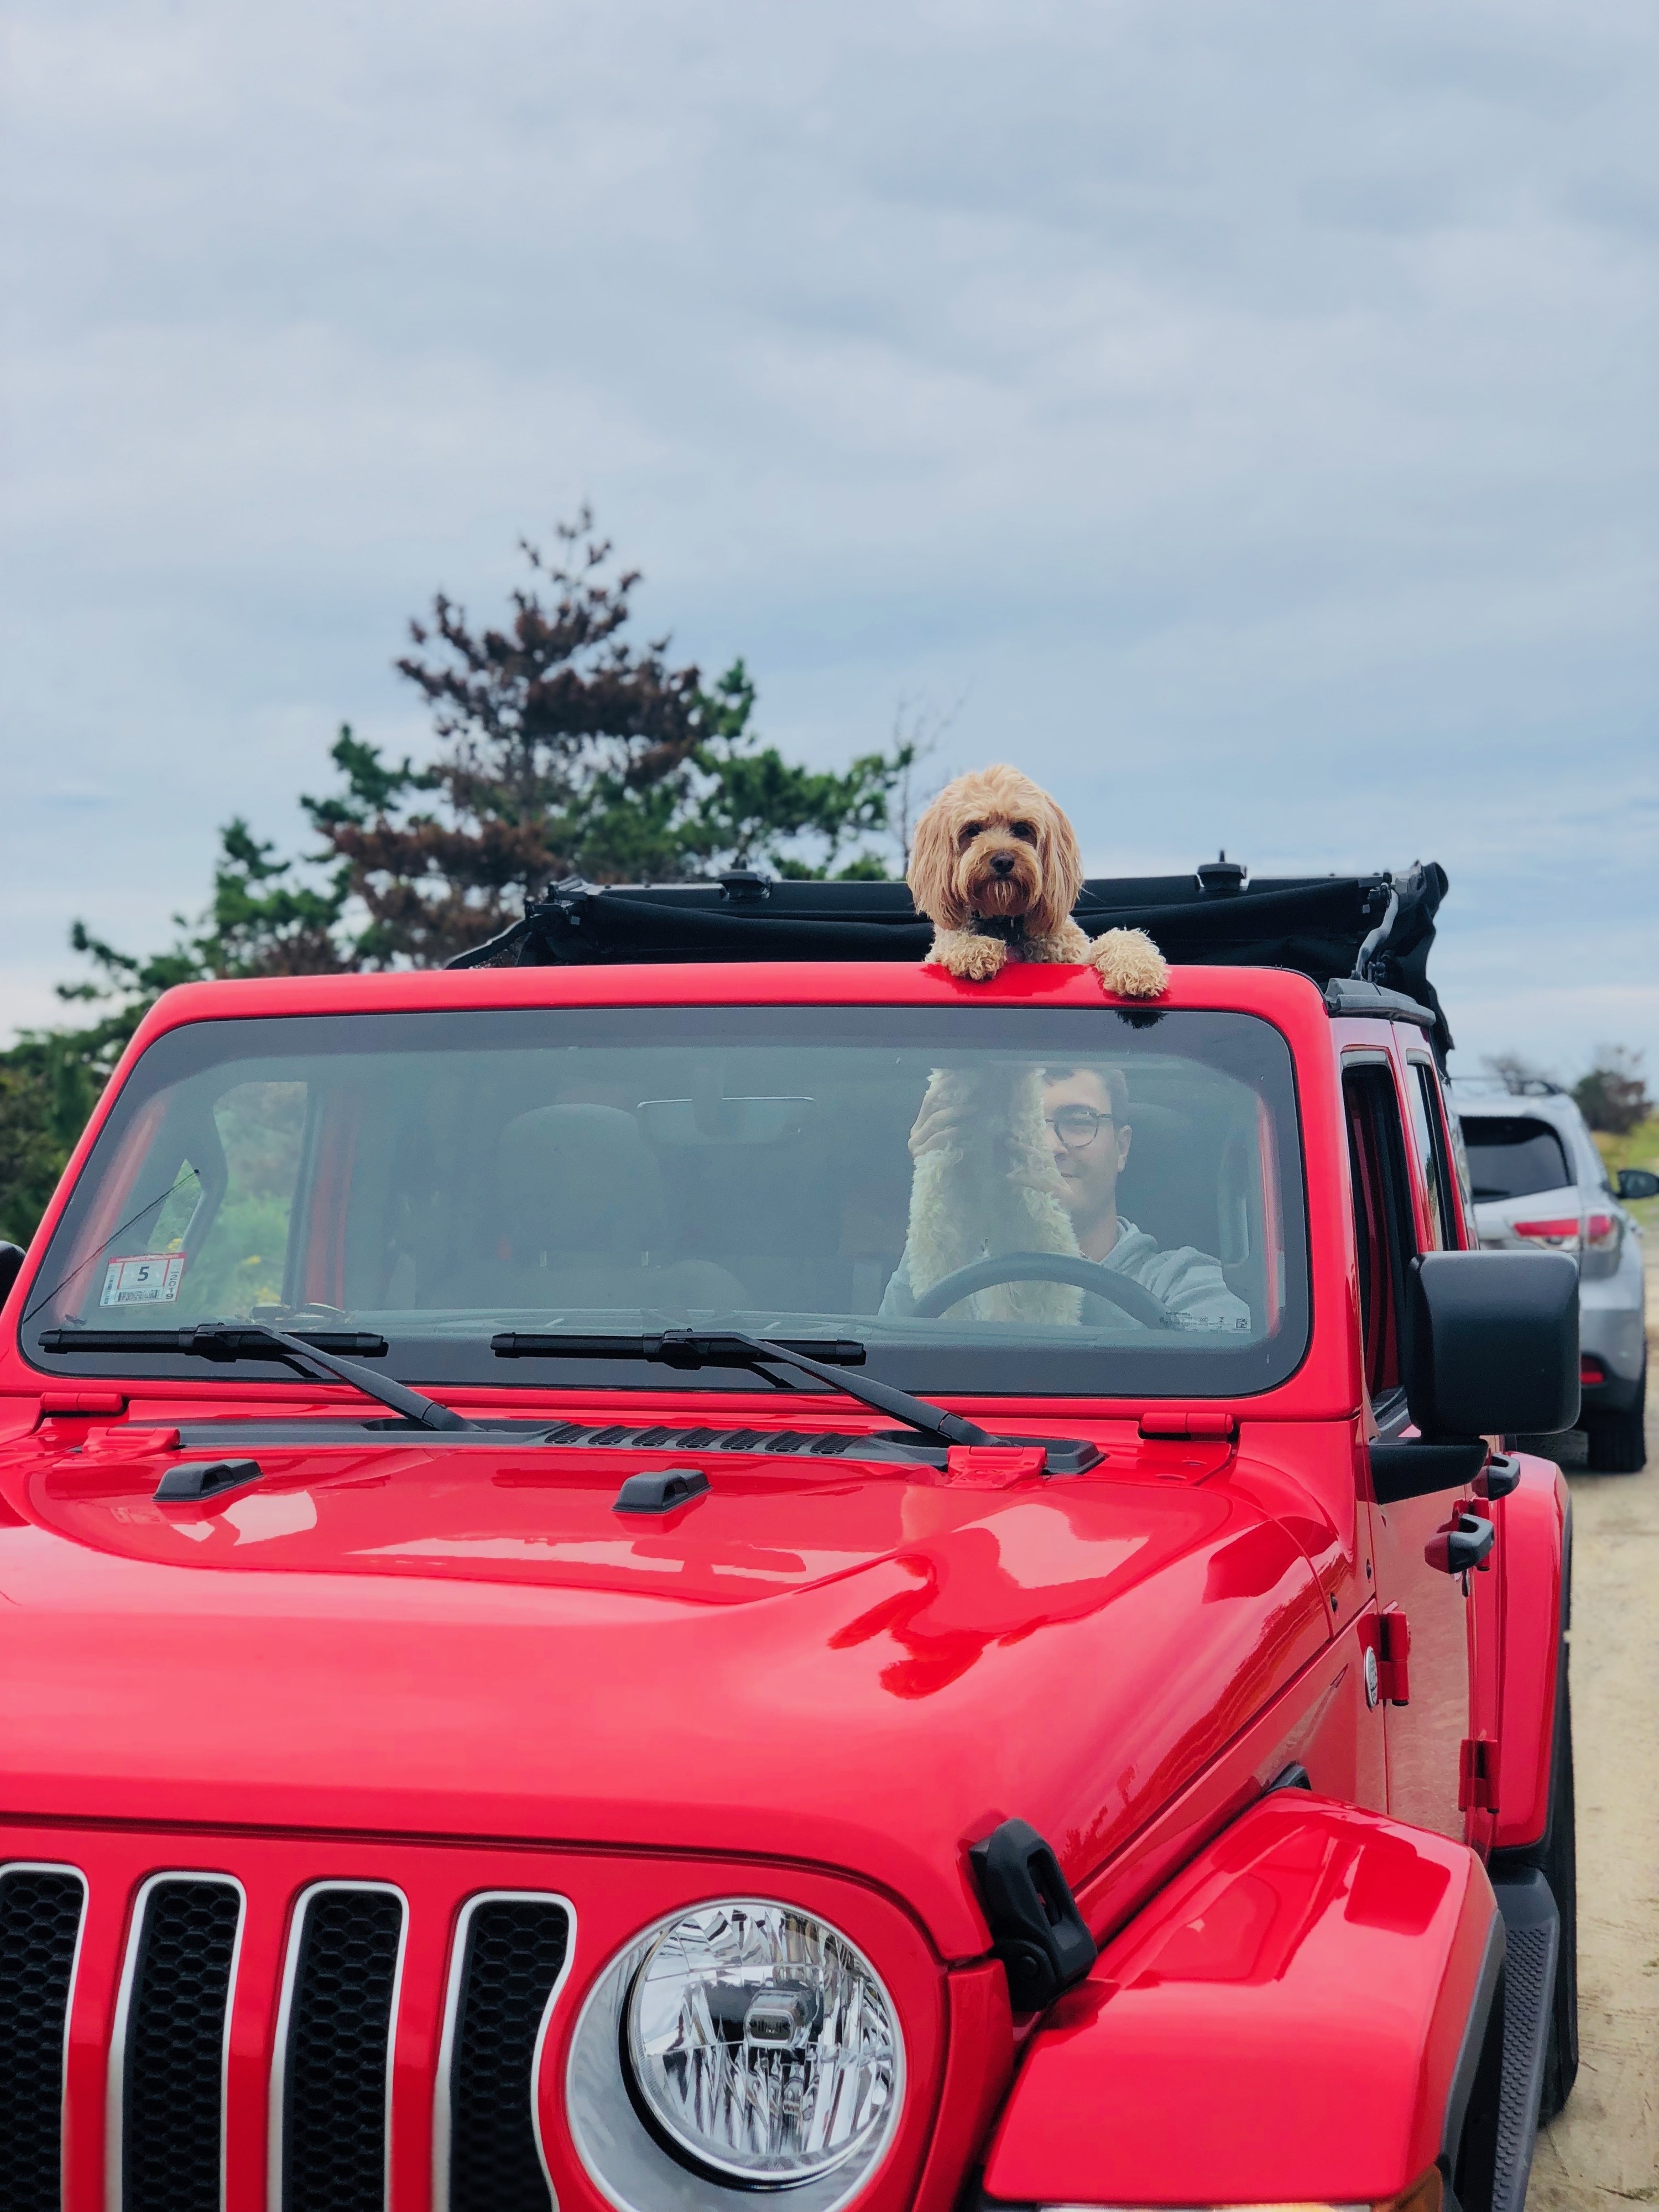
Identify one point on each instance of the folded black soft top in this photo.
(1374, 929)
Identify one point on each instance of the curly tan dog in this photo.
(985, 1184)
(996, 868)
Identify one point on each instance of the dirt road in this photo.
(1604, 2149)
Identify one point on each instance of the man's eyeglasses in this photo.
(1077, 1127)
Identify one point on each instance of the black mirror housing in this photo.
(1637, 1183)
(1492, 1343)
(12, 1257)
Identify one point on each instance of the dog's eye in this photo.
(970, 830)
(1027, 831)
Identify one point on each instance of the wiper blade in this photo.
(229, 1341)
(691, 1347)
(837, 1350)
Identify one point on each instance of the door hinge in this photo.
(1465, 1544)
(1477, 1781)
(1187, 1421)
(1394, 1653)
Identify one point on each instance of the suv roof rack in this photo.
(1368, 933)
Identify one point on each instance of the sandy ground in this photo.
(1604, 2149)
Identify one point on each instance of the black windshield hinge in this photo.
(1037, 1930)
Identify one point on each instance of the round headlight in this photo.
(762, 2043)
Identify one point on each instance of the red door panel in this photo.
(1426, 1736)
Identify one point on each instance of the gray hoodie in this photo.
(1189, 1281)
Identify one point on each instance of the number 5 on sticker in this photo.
(143, 1279)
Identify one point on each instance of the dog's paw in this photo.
(1130, 963)
(970, 958)
(981, 958)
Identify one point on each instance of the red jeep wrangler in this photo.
(550, 1657)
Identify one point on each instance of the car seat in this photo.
(579, 1220)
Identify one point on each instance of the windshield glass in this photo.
(1513, 1156)
(1000, 1198)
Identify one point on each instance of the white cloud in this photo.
(1246, 406)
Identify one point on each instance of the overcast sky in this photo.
(1246, 412)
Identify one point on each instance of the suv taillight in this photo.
(1601, 1232)
(1560, 1232)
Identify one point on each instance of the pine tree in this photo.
(564, 749)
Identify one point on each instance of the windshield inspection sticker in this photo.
(146, 1278)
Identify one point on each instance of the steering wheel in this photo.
(1135, 1297)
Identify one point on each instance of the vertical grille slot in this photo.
(332, 2088)
(168, 2092)
(510, 1954)
(41, 1909)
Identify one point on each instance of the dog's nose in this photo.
(1002, 864)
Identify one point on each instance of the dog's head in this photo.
(995, 844)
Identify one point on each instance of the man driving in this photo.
(1085, 1112)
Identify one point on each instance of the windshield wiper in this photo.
(691, 1347)
(229, 1341)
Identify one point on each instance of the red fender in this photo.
(1533, 1532)
(1297, 2015)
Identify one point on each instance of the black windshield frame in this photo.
(1244, 1045)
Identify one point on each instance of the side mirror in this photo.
(1492, 1343)
(1637, 1183)
(12, 1257)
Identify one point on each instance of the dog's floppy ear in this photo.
(1062, 872)
(933, 869)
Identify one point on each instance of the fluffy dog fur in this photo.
(998, 1193)
(996, 869)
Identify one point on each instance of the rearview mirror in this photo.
(1638, 1182)
(1492, 1343)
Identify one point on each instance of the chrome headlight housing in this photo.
(756, 2048)
(762, 2043)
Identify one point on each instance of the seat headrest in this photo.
(1168, 1185)
(579, 1179)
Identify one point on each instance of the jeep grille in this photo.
(40, 1912)
(311, 1971)
(332, 2088)
(166, 2098)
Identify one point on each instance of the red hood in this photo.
(859, 1667)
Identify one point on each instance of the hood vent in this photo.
(802, 1443)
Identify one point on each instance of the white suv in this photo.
(1540, 1184)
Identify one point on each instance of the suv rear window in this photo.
(1513, 1156)
(438, 1178)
